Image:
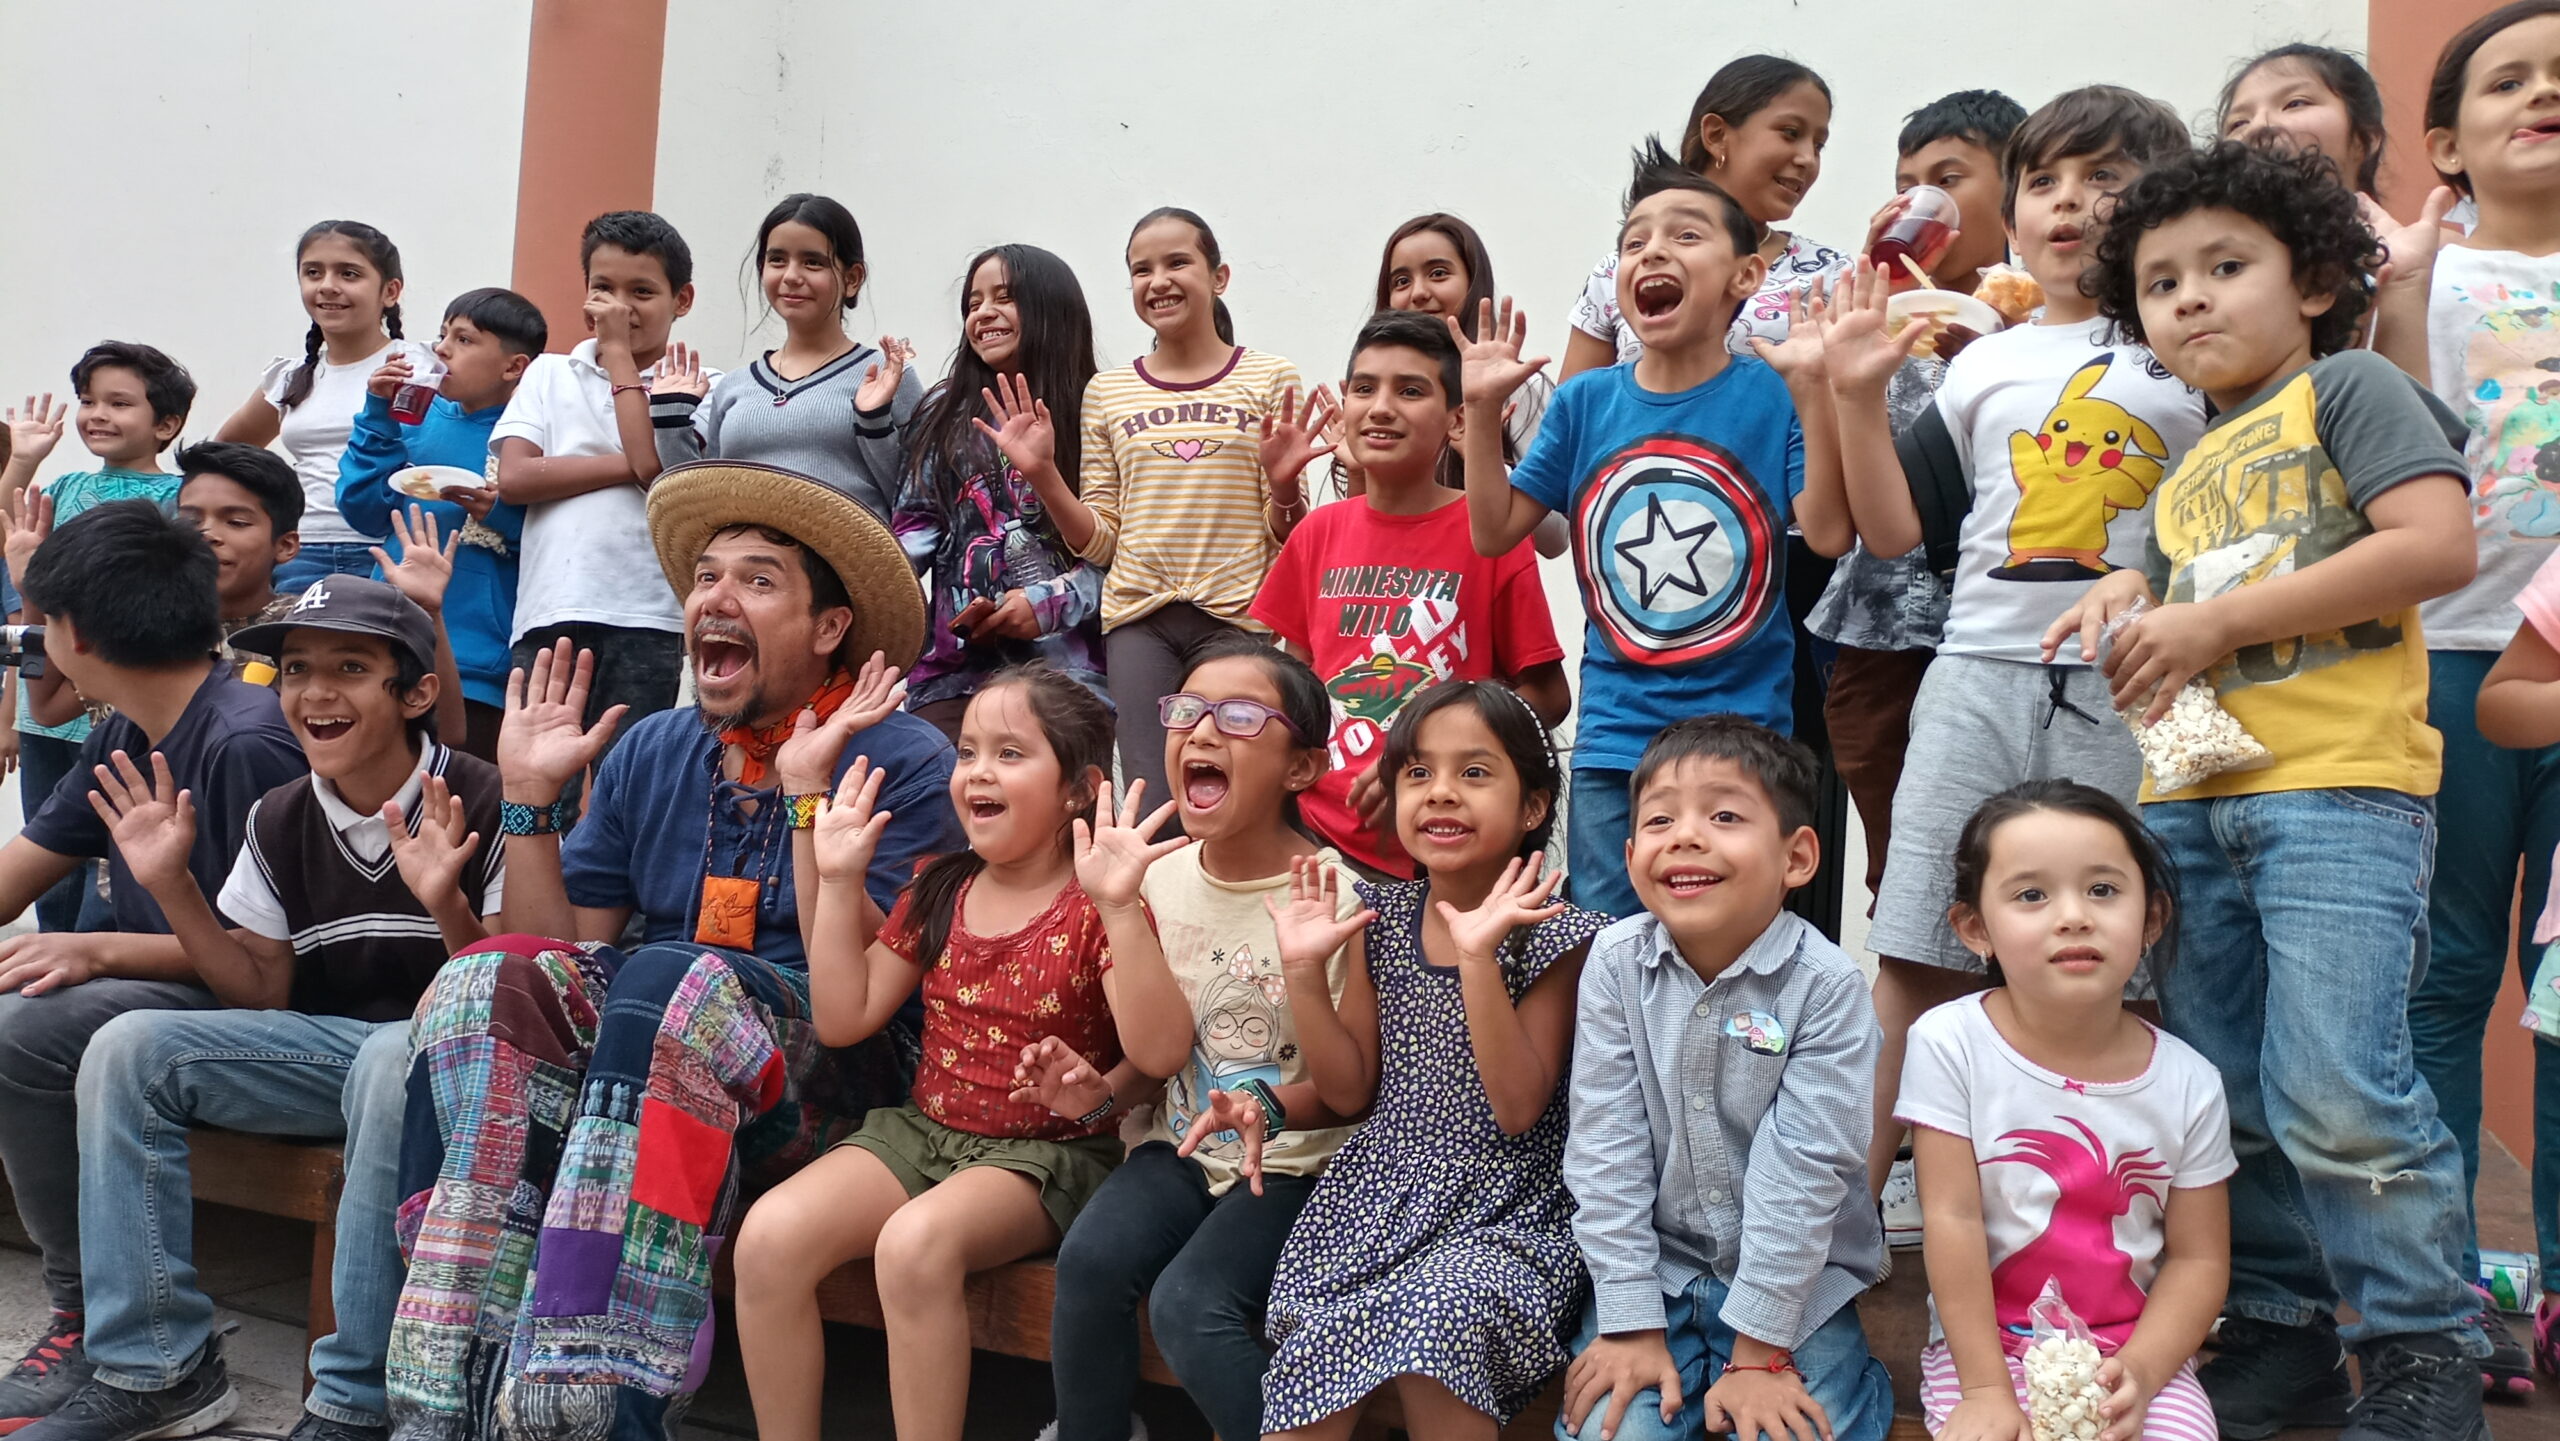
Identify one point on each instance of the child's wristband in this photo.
(1779, 1364)
(516, 818)
(1109, 1104)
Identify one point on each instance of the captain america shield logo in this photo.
(1679, 551)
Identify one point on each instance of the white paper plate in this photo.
(430, 482)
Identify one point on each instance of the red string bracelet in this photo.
(1780, 1364)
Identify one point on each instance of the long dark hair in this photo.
(1208, 251)
(2453, 66)
(1479, 263)
(825, 216)
(2159, 882)
(1740, 89)
(1532, 752)
(1053, 352)
(2344, 76)
(384, 255)
(1079, 730)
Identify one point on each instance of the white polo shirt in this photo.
(586, 558)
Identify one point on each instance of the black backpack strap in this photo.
(1939, 487)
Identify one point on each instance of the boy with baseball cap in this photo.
(328, 950)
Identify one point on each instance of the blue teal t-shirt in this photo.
(1678, 507)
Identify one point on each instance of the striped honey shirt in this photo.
(1174, 475)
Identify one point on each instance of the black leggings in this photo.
(1204, 1263)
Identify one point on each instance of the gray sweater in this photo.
(807, 425)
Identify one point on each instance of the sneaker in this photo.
(54, 1368)
(1901, 1204)
(2266, 1377)
(2507, 1370)
(320, 1428)
(2416, 1388)
(2546, 1336)
(1137, 1429)
(202, 1400)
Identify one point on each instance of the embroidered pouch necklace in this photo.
(726, 915)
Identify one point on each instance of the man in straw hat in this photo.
(590, 1116)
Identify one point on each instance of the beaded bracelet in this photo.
(518, 818)
(1275, 1118)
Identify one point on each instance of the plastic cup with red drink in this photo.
(410, 402)
(1921, 234)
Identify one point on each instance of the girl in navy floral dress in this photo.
(1436, 1254)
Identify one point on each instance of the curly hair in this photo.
(2293, 192)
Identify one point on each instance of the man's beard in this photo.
(716, 721)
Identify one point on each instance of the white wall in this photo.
(1304, 133)
(162, 156)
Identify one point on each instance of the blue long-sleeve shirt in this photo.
(1721, 1127)
(480, 604)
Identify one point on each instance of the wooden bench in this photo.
(277, 1177)
(1008, 1306)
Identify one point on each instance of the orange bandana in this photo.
(757, 744)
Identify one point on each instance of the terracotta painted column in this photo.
(590, 140)
(2401, 41)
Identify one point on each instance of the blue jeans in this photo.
(2498, 808)
(1845, 1379)
(2303, 927)
(148, 1076)
(1595, 843)
(316, 562)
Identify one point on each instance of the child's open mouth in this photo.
(985, 809)
(2540, 130)
(1657, 296)
(2062, 235)
(1688, 885)
(326, 730)
(1447, 832)
(1204, 786)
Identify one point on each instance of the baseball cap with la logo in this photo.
(352, 605)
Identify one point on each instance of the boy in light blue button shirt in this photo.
(1723, 1082)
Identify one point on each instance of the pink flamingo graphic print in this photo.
(2078, 1245)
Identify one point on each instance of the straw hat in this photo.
(689, 504)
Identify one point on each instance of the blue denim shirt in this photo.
(1721, 1127)
(661, 817)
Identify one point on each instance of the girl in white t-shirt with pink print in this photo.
(2058, 1136)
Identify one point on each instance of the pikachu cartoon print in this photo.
(2091, 459)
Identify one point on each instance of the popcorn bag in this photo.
(2011, 291)
(2197, 739)
(2061, 1365)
